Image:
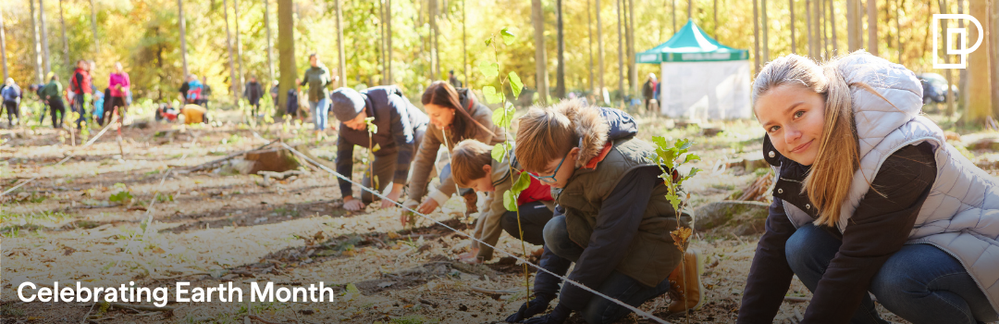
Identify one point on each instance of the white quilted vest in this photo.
(961, 214)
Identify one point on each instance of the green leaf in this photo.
(674, 200)
(499, 151)
(499, 116)
(515, 84)
(121, 197)
(508, 115)
(691, 158)
(522, 182)
(509, 201)
(491, 95)
(489, 41)
(508, 37)
(693, 171)
(489, 70)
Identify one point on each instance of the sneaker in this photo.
(686, 292)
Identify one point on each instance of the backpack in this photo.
(194, 92)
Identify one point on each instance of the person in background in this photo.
(80, 86)
(206, 92)
(194, 114)
(11, 94)
(274, 95)
(318, 77)
(400, 129)
(195, 91)
(99, 106)
(292, 104)
(119, 84)
(37, 89)
(453, 80)
(649, 89)
(253, 91)
(52, 94)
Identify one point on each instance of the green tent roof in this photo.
(691, 44)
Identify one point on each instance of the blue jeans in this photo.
(80, 107)
(320, 113)
(920, 282)
(617, 285)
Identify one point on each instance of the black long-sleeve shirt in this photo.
(879, 227)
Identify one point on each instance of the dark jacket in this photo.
(648, 89)
(317, 78)
(879, 228)
(619, 233)
(253, 91)
(292, 104)
(397, 120)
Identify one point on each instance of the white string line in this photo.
(379, 195)
(71, 155)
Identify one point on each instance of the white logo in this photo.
(952, 33)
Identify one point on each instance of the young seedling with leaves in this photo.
(503, 118)
(372, 130)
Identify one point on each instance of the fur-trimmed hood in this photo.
(595, 126)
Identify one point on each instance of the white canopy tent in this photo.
(700, 78)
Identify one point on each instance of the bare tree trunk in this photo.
(632, 66)
(832, 27)
(766, 29)
(589, 38)
(872, 27)
(464, 46)
(674, 14)
(808, 21)
(286, 49)
(620, 55)
(239, 49)
(341, 58)
(183, 38)
(388, 38)
(37, 44)
(267, 26)
(948, 73)
(714, 8)
(962, 82)
(756, 38)
(45, 38)
(822, 29)
(979, 82)
(560, 71)
(381, 41)
(898, 28)
(600, 49)
(233, 86)
(93, 25)
(853, 28)
(3, 48)
(65, 43)
(994, 60)
(794, 47)
(434, 12)
(541, 69)
(690, 9)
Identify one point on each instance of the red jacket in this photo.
(80, 82)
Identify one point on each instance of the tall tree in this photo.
(872, 27)
(388, 39)
(632, 66)
(994, 52)
(808, 21)
(714, 9)
(3, 47)
(93, 27)
(183, 38)
(822, 28)
(766, 31)
(65, 43)
(45, 39)
(756, 38)
(962, 82)
(286, 49)
(381, 40)
(541, 72)
(620, 55)
(979, 98)
(898, 28)
(853, 26)
(948, 73)
(832, 27)
(435, 45)
(233, 81)
(341, 58)
(560, 71)
(673, 10)
(589, 39)
(794, 47)
(690, 9)
(600, 47)
(267, 26)
(239, 48)
(37, 44)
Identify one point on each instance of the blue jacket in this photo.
(12, 93)
(397, 120)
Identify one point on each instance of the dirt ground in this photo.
(76, 223)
